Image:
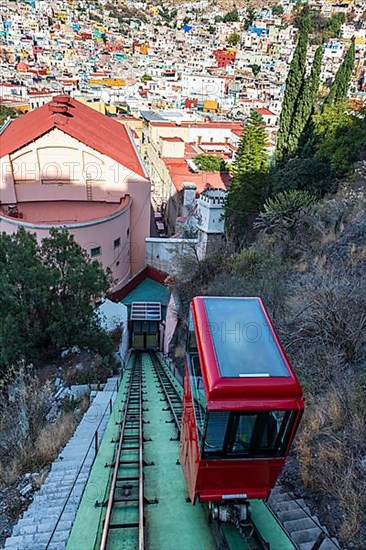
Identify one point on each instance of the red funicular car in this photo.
(242, 402)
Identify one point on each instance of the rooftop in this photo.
(244, 344)
(240, 354)
(180, 173)
(98, 131)
(63, 212)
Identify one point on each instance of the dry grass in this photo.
(329, 447)
(28, 442)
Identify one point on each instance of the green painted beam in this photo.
(172, 523)
(269, 527)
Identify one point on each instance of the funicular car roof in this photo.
(240, 354)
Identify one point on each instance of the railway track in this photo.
(124, 516)
(223, 532)
(145, 503)
(171, 394)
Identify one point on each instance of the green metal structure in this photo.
(171, 522)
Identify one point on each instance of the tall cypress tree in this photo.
(293, 85)
(251, 155)
(340, 86)
(305, 102)
(249, 181)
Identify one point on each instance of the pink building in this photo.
(66, 165)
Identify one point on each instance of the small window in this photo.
(117, 242)
(96, 251)
(128, 231)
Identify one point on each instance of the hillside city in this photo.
(183, 222)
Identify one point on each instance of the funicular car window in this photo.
(198, 391)
(192, 343)
(247, 434)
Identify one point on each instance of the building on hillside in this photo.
(65, 165)
(170, 150)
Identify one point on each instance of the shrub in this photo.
(209, 163)
(281, 212)
(329, 446)
(27, 440)
(306, 174)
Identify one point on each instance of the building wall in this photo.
(161, 253)
(91, 235)
(59, 167)
(204, 87)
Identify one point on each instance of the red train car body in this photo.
(242, 401)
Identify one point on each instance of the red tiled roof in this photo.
(81, 122)
(263, 111)
(180, 173)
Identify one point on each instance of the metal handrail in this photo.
(95, 442)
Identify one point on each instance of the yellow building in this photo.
(99, 106)
(210, 106)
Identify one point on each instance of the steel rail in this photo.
(165, 383)
(137, 368)
(141, 468)
(158, 367)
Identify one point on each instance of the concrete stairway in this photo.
(304, 528)
(54, 507)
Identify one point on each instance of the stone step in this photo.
(306, 545)
(69, 472)
(281, 497)
(277, 489)
(305, 535)
(293, 514)
(289, 505)
(329, 544)
(300, 524)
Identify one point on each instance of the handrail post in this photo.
(96, 442)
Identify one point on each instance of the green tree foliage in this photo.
(47, 292)
(309, 174)
(233, 39)
(231, 16)
(322, 28)
(305, 102)
(335, 23)
(293, 86)
(251, 13)
(255, 69)
(340, 86)
(252, 155)
(249, 181)
(5, 112)
(339, 137)
(209, 163)
(277, 9)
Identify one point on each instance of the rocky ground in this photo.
(15, 499)
(60, 409)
